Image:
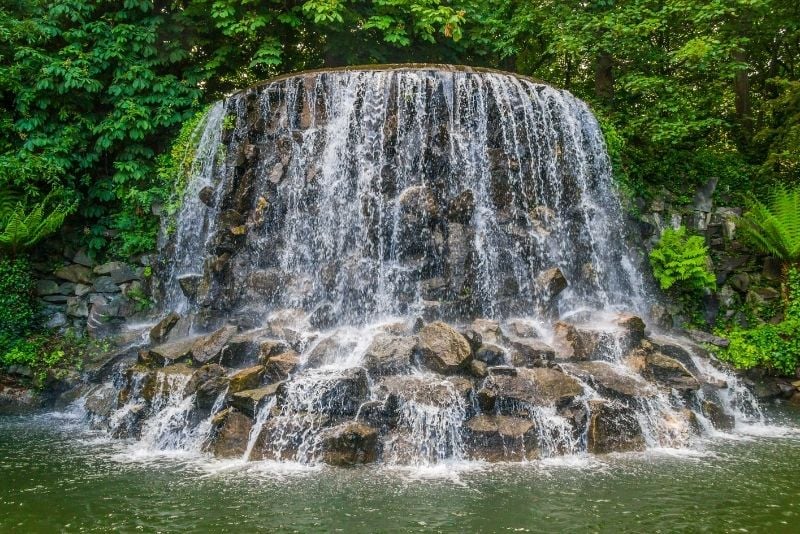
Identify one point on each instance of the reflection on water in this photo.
(54, 475)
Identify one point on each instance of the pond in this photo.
(56, 475)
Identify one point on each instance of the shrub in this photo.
(681, 260)
(49, 352)
(18, 309)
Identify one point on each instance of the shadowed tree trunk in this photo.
(604, 76)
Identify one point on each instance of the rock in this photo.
(206, 195)
(550, 283)
(491, 354)
(389, 354)
(207, 383)
(632, 330)
(167, 353)
(244, 348)
(46, 287)
(75, 273)
(77, 307)
(55, 299)
(462, 207)
(105, 284)
(426, 390)
(82, 289)
(502, 370)
(277, 368)
(496, 438)
(248, 378)
(608, 381)
(335, 393)
(740, 282)
(573, 343)
(101, 402)
(159, 333)
(474, 338)
(718, 417)
(478, 369)
(348, 444)
(531, 353)
(669, 372)
(208, 348)
(515, 395)
(521, 328)
(189, 285)
(490, 331)
(232, 429)
(704, 337)
(18, 400)
(107, 268)
(613, 428)
(56, 320)
(443, 349)
(67, 288)
(323, 316)
(250, 400)
(81, 258)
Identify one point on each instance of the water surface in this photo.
(57, 476)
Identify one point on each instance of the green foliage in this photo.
(774, 227)
(51, 355)
(774, 346)
(682, 260)
(22, 226)
(18, 307)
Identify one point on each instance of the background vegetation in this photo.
(93, 92)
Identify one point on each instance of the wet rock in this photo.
(208, 348)
(632, 330)
(279, 367)
(349, 444)
(101, 402)
(248, 378)
(574, 343)
(206, 195)
(490, 331)
(462, 207)
(244, 348)
(443, 349)
(232, 433)
(323, 317)
(427, 390)
(521, 328)
(717, 415)
(159, 333)
(389, 354)
(550, 284)
(704, 337)
(496, 438)
(75, 273)
(608, 381)
(167, 353)
(478, 369)
(515, 395)
(491, 354)
(669, 372)
(531, 353)
(474, 338)
(335, 393)
(380, 414)
(250, 401)
(613, 428)
(266, 283)
(207, 383)
(502, 370)
(189, 285)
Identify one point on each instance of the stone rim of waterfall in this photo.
(408, 264)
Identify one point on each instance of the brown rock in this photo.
(606, 380)
(232, 433)
(501, 438)
(531, 353)
(442, 349)
(279, 367)
(248, 378)
(250, 400)
(159, 333)
(209, 347)
(613, 428)
(514, 395)
(77, 274)
(389, 354)
(349, 444)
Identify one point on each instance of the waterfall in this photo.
(333, 220)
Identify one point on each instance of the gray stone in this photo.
(209, 347)
(608, 381)
(718, 417)
(81, 258)
(250, 400)
(515, 395)
(105, 284)
(704, 337)
(531, 353)
(159, 333)
(67, 288)
(77, 307)
(167, 353)
(75, 273)
(189, 284)
(56, 320)
(491, 354)
(46, 287)
(338, 393)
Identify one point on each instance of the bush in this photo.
(680, 260)
(774, 346)
(52, 353)
(18, 309)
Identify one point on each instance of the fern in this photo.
(21, 227)
(681, 259)
(774, 228)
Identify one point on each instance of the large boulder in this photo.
(515, 395)
(490, 331)
(232, 433)
(207, 383)
(575, 343)
(209, 347)
(501, 438)
(159, 333)
(718, 416)
(613, 428)
(167, 353)
(336, 393)
(389, 354)
(442, 349)
(244, 348)
(427, 390)
(609, 381)
(331, 349)
(349, 444)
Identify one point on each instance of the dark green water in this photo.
(55, 476)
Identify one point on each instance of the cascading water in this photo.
(331, 218)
